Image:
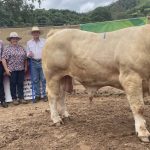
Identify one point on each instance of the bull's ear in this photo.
(148, 19)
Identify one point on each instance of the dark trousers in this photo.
(16, 84)
(2, 94)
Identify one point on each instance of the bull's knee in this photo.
(139, 109)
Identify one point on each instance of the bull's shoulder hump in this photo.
(58, 31)
(68, 32)
(77, 32)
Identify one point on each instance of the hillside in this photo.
(25, 15)
(130, 8)
(142, 9)
(120, 9)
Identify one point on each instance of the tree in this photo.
(100, 14)
(21, 13)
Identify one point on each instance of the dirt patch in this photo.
(106, 124)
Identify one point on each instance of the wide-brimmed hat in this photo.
(13, 35)
(36, 28)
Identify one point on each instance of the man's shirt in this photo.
(35, 47)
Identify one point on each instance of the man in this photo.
(2, 94)
(34, 52)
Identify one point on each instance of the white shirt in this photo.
(36, 47)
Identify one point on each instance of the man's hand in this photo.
(30, 54)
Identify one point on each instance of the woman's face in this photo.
(14, 41)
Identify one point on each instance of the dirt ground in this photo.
(107, 124)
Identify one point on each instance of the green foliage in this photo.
(100, 14)
(130, 8)
(121, 6)
(14, 12)
(21, 13)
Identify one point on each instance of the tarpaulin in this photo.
(109, 26)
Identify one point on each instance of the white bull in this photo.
(121, 60)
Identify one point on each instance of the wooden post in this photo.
(148, 19)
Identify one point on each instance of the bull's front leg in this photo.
(132, 84)
(53, 89)
(61, 105)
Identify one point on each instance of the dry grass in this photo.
(25, 33)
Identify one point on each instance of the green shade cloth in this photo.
(109, 26)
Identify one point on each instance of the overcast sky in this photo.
(76, 5)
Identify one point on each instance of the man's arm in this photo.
(29, 52)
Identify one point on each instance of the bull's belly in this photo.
(100, 84)
(98, 78)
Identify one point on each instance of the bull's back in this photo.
(104, 55)
(89, 56)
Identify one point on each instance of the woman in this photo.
(15, 65)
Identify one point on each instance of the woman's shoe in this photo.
(4, 104)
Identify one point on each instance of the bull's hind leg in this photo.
(53, 88)
(132, 84)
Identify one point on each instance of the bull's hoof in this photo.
(58, 124)
(66, 119)
(145, 139)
